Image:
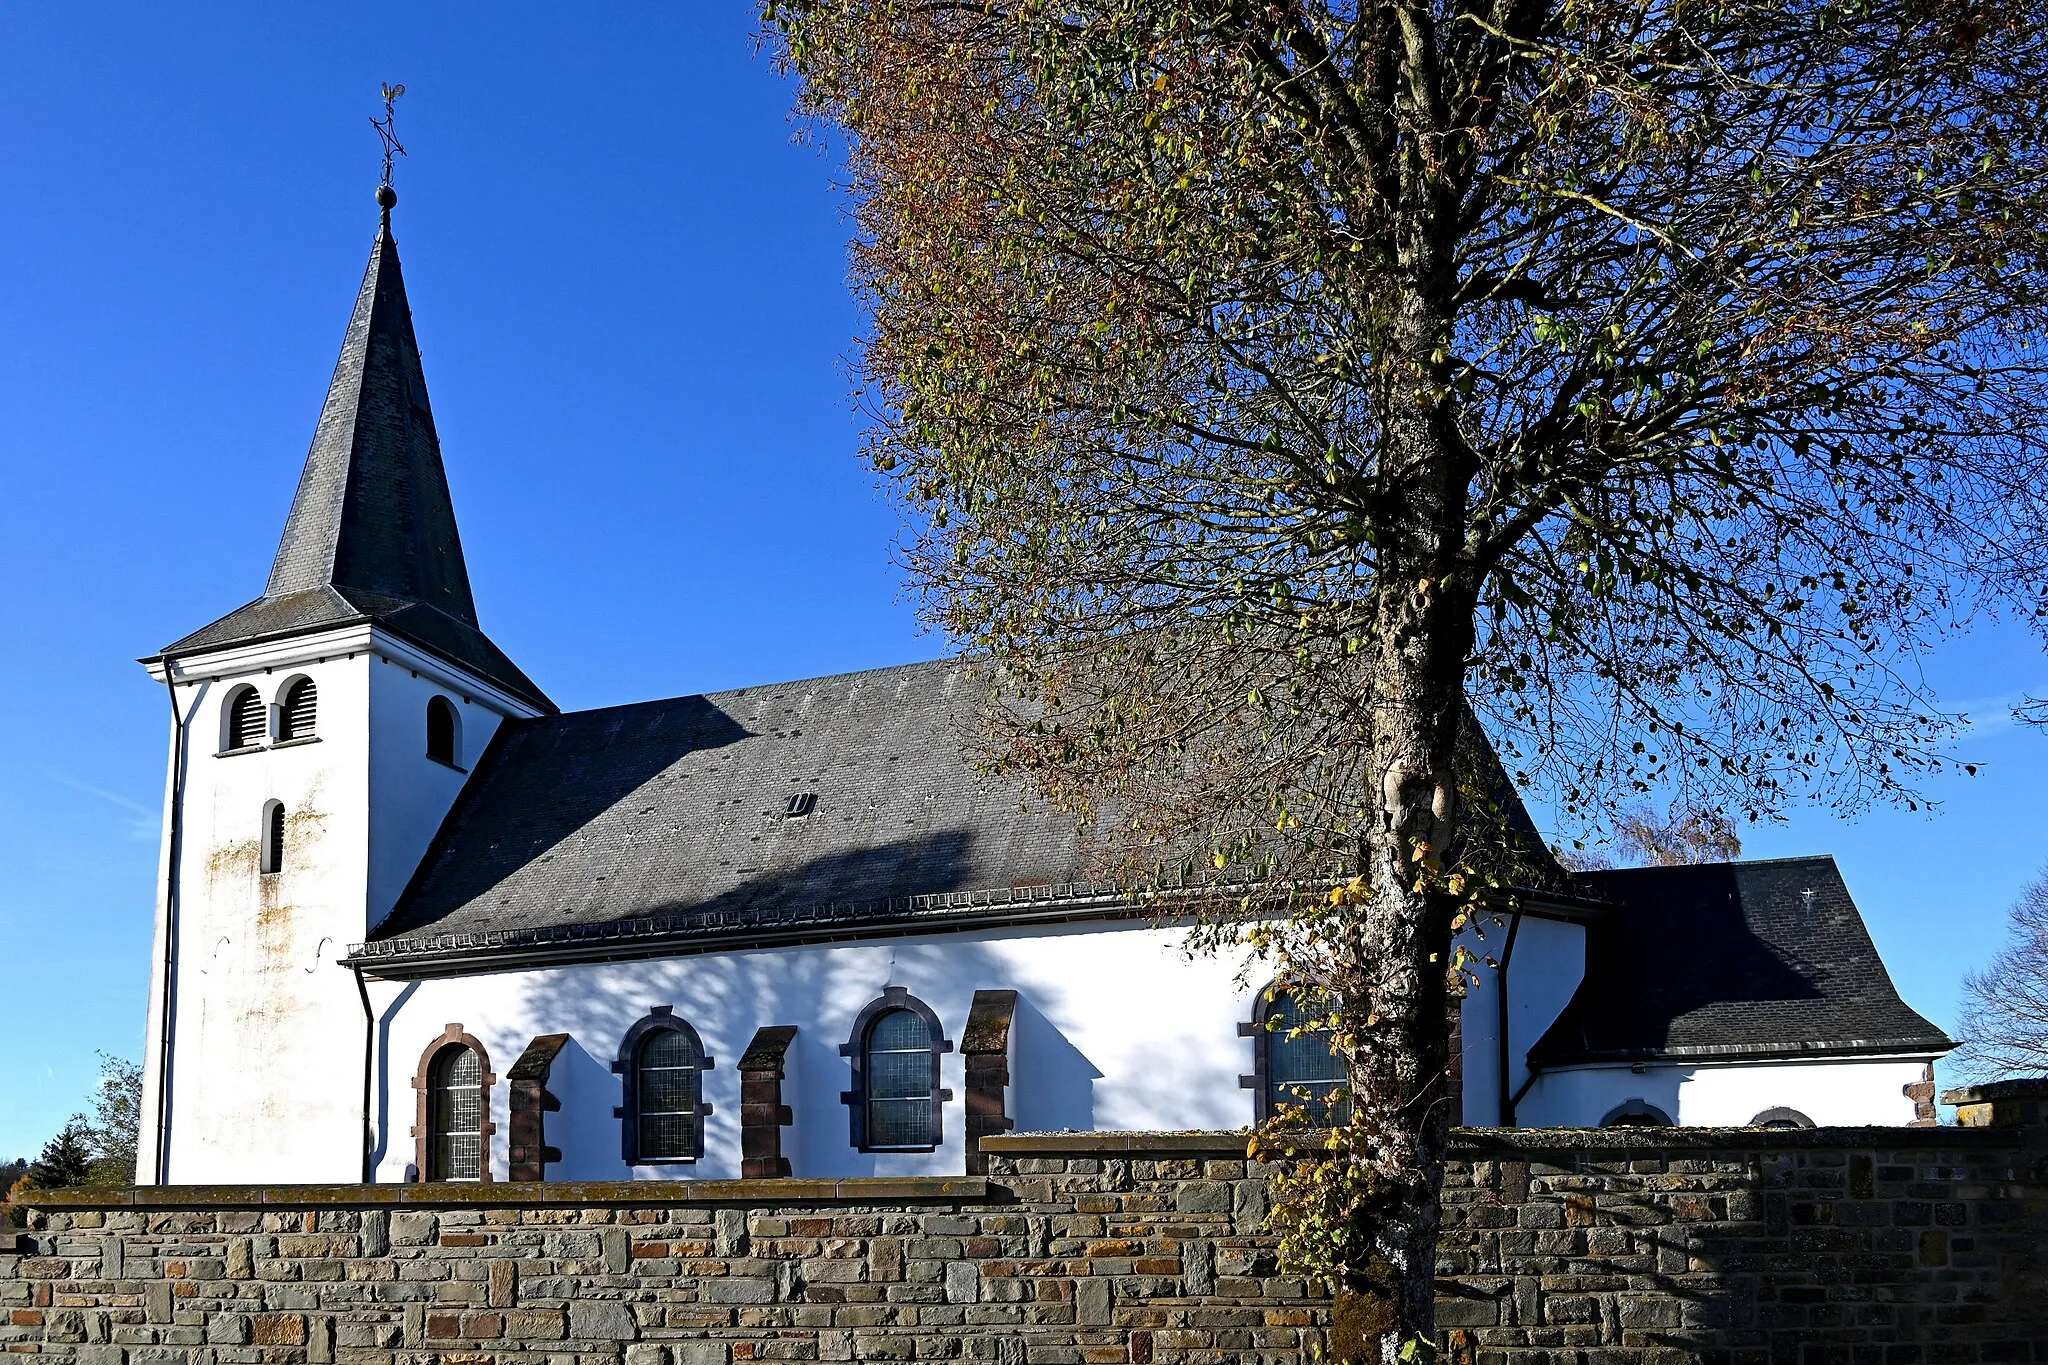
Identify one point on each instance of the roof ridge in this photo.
(939, 663)
(1718, 862)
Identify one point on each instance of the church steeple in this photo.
(371, 534)
(372, 511)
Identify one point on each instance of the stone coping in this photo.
(519, 1194)
(1465, 1143)
(1141, 1144)
(1479, 1142)
(2025, 1087)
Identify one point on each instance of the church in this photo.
(415, 922)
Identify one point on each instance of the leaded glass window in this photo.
(899, 1081)
(667, 1076)
(1303, 1072)
(455, 1114)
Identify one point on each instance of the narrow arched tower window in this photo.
(270, 856)
(444, 731)
(298, 710)
(455, 1114)
(246, 722)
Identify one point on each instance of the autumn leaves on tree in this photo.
(1272, 386)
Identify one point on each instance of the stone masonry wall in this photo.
(1607, 1248)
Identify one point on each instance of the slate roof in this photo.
(1765, 958)
(371, 535)
(668, 816)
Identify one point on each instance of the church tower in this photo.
(319, 735)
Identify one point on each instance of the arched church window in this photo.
(247, 724)
(298, 710)
(1780, 1117)
(896, 1104)
(454, 1129)
(663, 1062)
(1635, 1112)
(270, 843)
(444, 731)
(1294, 1068)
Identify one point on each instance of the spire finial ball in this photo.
(386, 197)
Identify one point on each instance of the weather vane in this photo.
(385, 130)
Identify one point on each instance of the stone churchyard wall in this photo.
(1880, 1245)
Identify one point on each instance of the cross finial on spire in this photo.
(386, 196)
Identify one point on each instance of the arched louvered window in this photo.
(298, 710)
(1297, 1072)
(247, 721)
(270, 844)
(444, 731)
(896, 1101)
(455, 1114)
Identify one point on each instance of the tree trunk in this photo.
(1401, 947)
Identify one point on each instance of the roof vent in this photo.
(800, 805)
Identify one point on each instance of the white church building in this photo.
(417, 923)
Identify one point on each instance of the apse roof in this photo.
(1731, 959)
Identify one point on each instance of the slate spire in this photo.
(371, 534)
(372, 510)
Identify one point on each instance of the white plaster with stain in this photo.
(267, 1038)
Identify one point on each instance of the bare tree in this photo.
(1680, 836)
(1273, 385)
(2004, 1025)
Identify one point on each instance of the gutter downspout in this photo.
(1507, 956)
(161, 1161)
(369, 1060)
(1535, 1075)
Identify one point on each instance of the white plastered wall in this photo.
(1838, 1091)
(259, 1004)
(1116, 1028)
(409, 792)
(267, 1038)
(1545, 968)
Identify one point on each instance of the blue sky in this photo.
(629, 285)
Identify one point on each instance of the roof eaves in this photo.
(524, 691)
(703, 931)
(1918, 1045)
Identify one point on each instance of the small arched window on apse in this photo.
(896, 1104)
(1294, 1068)
(663, 1063)
(1636, 1112)
(298, 709)
(245, 722)
(1780, 1117)
(444, 732)
(454, 1129)
(270, 843)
